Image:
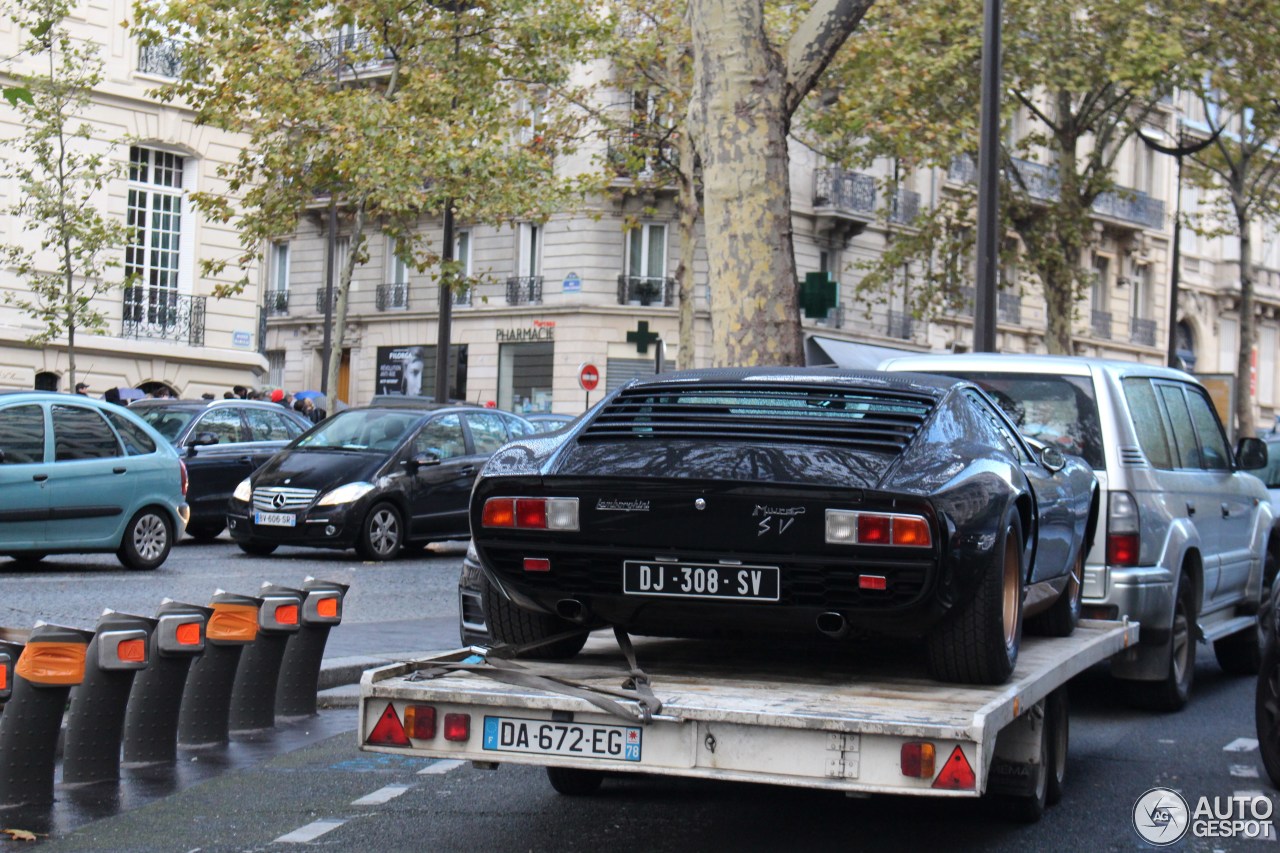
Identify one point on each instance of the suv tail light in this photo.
(1123, 526)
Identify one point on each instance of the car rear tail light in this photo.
(846, 527)
(917, 760)
(457, 727)
(182, 466)
(420, 722)
(537, 564)
(531, 513)
(872, 582)
(1123, 527)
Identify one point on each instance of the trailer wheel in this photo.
(977, 643)
(1028, 806)
(1057, 733)
(573, 782)
(510, 624)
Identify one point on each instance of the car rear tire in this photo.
(574, 782)
(148, 538)
(1267, 710)
(205, 531)
(1172, 692)
(513, 626)
(381, 534)
(1061, 619)
(977, 643)
(257, 549)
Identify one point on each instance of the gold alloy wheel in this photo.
(1012, 594)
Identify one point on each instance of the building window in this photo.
(46, 381)
(1267, 343)
(647, 251)
(530, 249)
(275, 368)
(278, 286)
(155, 214)
(524, 376)
(462, 254)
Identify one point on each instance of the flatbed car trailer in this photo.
(859, 720)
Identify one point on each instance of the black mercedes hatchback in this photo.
(374, 478)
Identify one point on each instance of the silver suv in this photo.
(1188, 546)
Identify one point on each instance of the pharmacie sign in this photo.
(542, 330)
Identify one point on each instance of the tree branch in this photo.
(815, 43)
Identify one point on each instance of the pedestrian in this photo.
(229, 395)
(312, 411)
(240, 391)
(277, 396)
(112, 395)
(82, 388)
(206, 396)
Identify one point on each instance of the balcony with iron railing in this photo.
(392, 297)
(637, 153)
(160, 313)
(1040, 182)
(900, 325)
(524, 290)
(276, 303)
(350, 53)
(1100, 324)
(646, 290)
(163, 59)
(906, 207)
(320, 299)
(1142, 332)
(844, 193)
(1008, 305)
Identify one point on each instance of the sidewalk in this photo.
(355, 647)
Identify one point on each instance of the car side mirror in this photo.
(203, 439)
(420, 460)
(1052, 458)
(1251, 453)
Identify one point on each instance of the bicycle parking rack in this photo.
(9, 652)
(151, 719)
(206, 699)
(95, 719)
(253, 693)
(300, 670)
(51, 663)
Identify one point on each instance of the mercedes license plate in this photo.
(544, 737)
(700, 580)
(275, 519)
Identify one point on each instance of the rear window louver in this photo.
(855, 417)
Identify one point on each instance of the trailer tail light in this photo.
(457, 727)
(531, 513)
(846, 527)
(388, 731)
(1123, 526)
(916, 759)
(956, 774)
(420, 721)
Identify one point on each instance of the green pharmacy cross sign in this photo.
(642, 337)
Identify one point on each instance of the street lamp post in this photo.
(984, 303)
(1182, 148)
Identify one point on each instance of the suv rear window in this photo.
(1056, 410)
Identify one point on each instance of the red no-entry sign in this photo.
(588, 376)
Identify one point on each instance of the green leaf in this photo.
(14, 94)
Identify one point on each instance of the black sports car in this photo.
(790, 501)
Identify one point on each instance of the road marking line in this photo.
(1244, 771)
(1242, 744)
(310, 832)
(444, 765)
(382, 795)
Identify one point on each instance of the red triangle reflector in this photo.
(388, 731)
(956, 774)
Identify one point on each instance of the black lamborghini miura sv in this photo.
(792, 501)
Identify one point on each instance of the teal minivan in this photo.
(79, 475)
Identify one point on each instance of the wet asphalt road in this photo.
(308, 782)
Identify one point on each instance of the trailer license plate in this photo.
(275, 519)
(700, 580)
(544, 737)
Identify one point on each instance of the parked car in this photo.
(373, 478)
(1187, 549)
(222, 442)
(792, 501)
(79, 475)
(549, 421)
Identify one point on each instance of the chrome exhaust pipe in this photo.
(833, 624)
